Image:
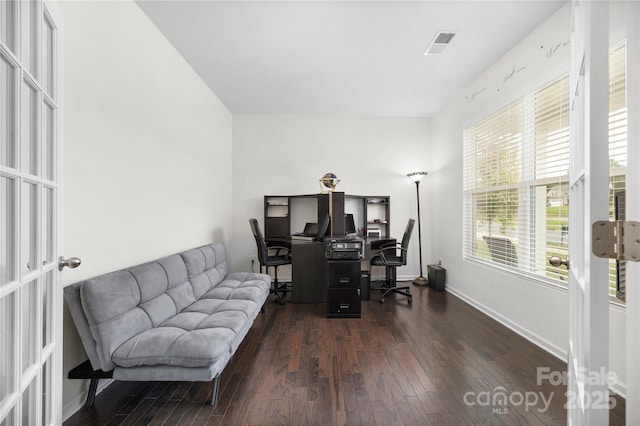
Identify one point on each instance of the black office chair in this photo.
(389, 258)
(282, 256)
(502, 250)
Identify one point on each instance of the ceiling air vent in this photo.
(439, 42)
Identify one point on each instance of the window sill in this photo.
(541, 281)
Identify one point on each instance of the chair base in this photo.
(405, 291)
(389, 285)
(278, 288)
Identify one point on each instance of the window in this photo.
(515, 184)
(516, 165)
(617, 156)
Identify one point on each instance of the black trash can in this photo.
(436, 276)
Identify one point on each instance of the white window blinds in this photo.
(515, 184)
(617, 154)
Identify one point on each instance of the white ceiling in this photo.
(341, 57)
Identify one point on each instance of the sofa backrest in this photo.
(110, 309)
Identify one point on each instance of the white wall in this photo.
(288, 154)
(150, 168)
(536, 310)
(147, 152)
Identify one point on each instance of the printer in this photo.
(348, 248)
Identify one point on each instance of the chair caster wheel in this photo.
(280, 301)
(410, 299)
(382, 300)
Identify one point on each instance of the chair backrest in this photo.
(502, 250)
(405, 240)
(263, 252)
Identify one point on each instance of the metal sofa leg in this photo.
(215, 389)
(86, 371)
(91, 395)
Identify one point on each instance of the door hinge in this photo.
(616, 240)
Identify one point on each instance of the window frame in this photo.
(523, 95)
(524, 184)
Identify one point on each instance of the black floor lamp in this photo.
(417, 178)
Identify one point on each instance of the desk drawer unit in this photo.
(343, 285)
(344, 303)
(343, 274)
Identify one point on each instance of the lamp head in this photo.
(416, 176)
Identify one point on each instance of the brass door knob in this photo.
(558, 261)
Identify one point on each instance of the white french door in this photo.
(30, 295)
(632, 13)
(588, 402)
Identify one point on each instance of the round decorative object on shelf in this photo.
(328, 182)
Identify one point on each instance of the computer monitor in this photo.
(323, 227)
(310, 229)
(349, 224)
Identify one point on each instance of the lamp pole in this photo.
(417, 178)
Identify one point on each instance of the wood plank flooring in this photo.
(436, 361)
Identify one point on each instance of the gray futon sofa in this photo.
(179, 318)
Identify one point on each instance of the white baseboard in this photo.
(406, 277)
(77, 402)
(618, 387)
(527, 334)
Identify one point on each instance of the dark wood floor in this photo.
(400, 364)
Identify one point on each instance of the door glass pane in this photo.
(29, 405)
(7, 141)
(7, 230)
(47, 309)
(29, 36)
(7, 345)
(10, 420)
(47, 56)
(48, 154)
(46, 393)
(29, 128)
(30, 227)
(28, 332)
(7, 10)
(47, 232)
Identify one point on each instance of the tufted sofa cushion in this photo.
(196, 337)
(183, 310)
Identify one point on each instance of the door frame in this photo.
(57, 314)
(588, 350)
(45, 232)
(632, 296)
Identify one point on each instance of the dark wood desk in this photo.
(308, 266)
(308, 274)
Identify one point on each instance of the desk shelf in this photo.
(371, 213)
(276, 216)
(377, 211)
